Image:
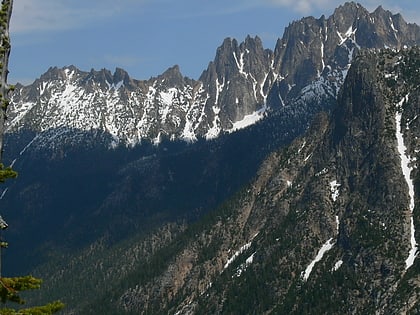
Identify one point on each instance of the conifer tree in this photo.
(10, 287)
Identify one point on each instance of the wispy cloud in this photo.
(56, 15)
(307, 7)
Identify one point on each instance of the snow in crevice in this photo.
(237, 253)
(219, 89)
(334, 190)
(328, 245)
(302, 146)
(322, 59)
(188, 133)
(215, 130)
(324, 249)
(166, 99)
(157, 139)
(42, 88)
(262, 88)
(255, 88)
(244, 265)
(337, 223)
(240, 63)
(250, 259)
(337, 265)
(241, 250)
(115, 86)
(351, 33)
(393, 27)
(406, 170)
(307, 157)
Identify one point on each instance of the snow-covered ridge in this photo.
(146, 110)
(235, 91)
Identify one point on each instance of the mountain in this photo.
(117, 224)
(328, 226)
(244, 83)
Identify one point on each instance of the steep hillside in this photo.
(328, 226)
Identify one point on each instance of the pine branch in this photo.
(6, 173)
(10, 287)
(48, 309)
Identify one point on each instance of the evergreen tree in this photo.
(10, 287)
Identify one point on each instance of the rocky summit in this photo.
(278, 182)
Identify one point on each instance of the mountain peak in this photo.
(350, 6)
(380, 10)
(122, 76)
(55, 73)
(348, 13)
(172, 76)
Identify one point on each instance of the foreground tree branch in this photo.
(11, 287)
(5, 15)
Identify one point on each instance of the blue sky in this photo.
(145, 37)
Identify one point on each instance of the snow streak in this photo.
(237, 253)
(325, 248)
(406, 169)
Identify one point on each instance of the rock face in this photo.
(244, 83)
(327, 227)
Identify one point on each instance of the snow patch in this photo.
(308, 157)
(237, 253)
(334, 190)
(337, 265)
(406, 169)
(167, 96)
(215, 130)
(248, 120)
(301, 148)
(250, 259)
(244, 266)
(325, 248)
(188, 132)
(337, 222)
(157, 140)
